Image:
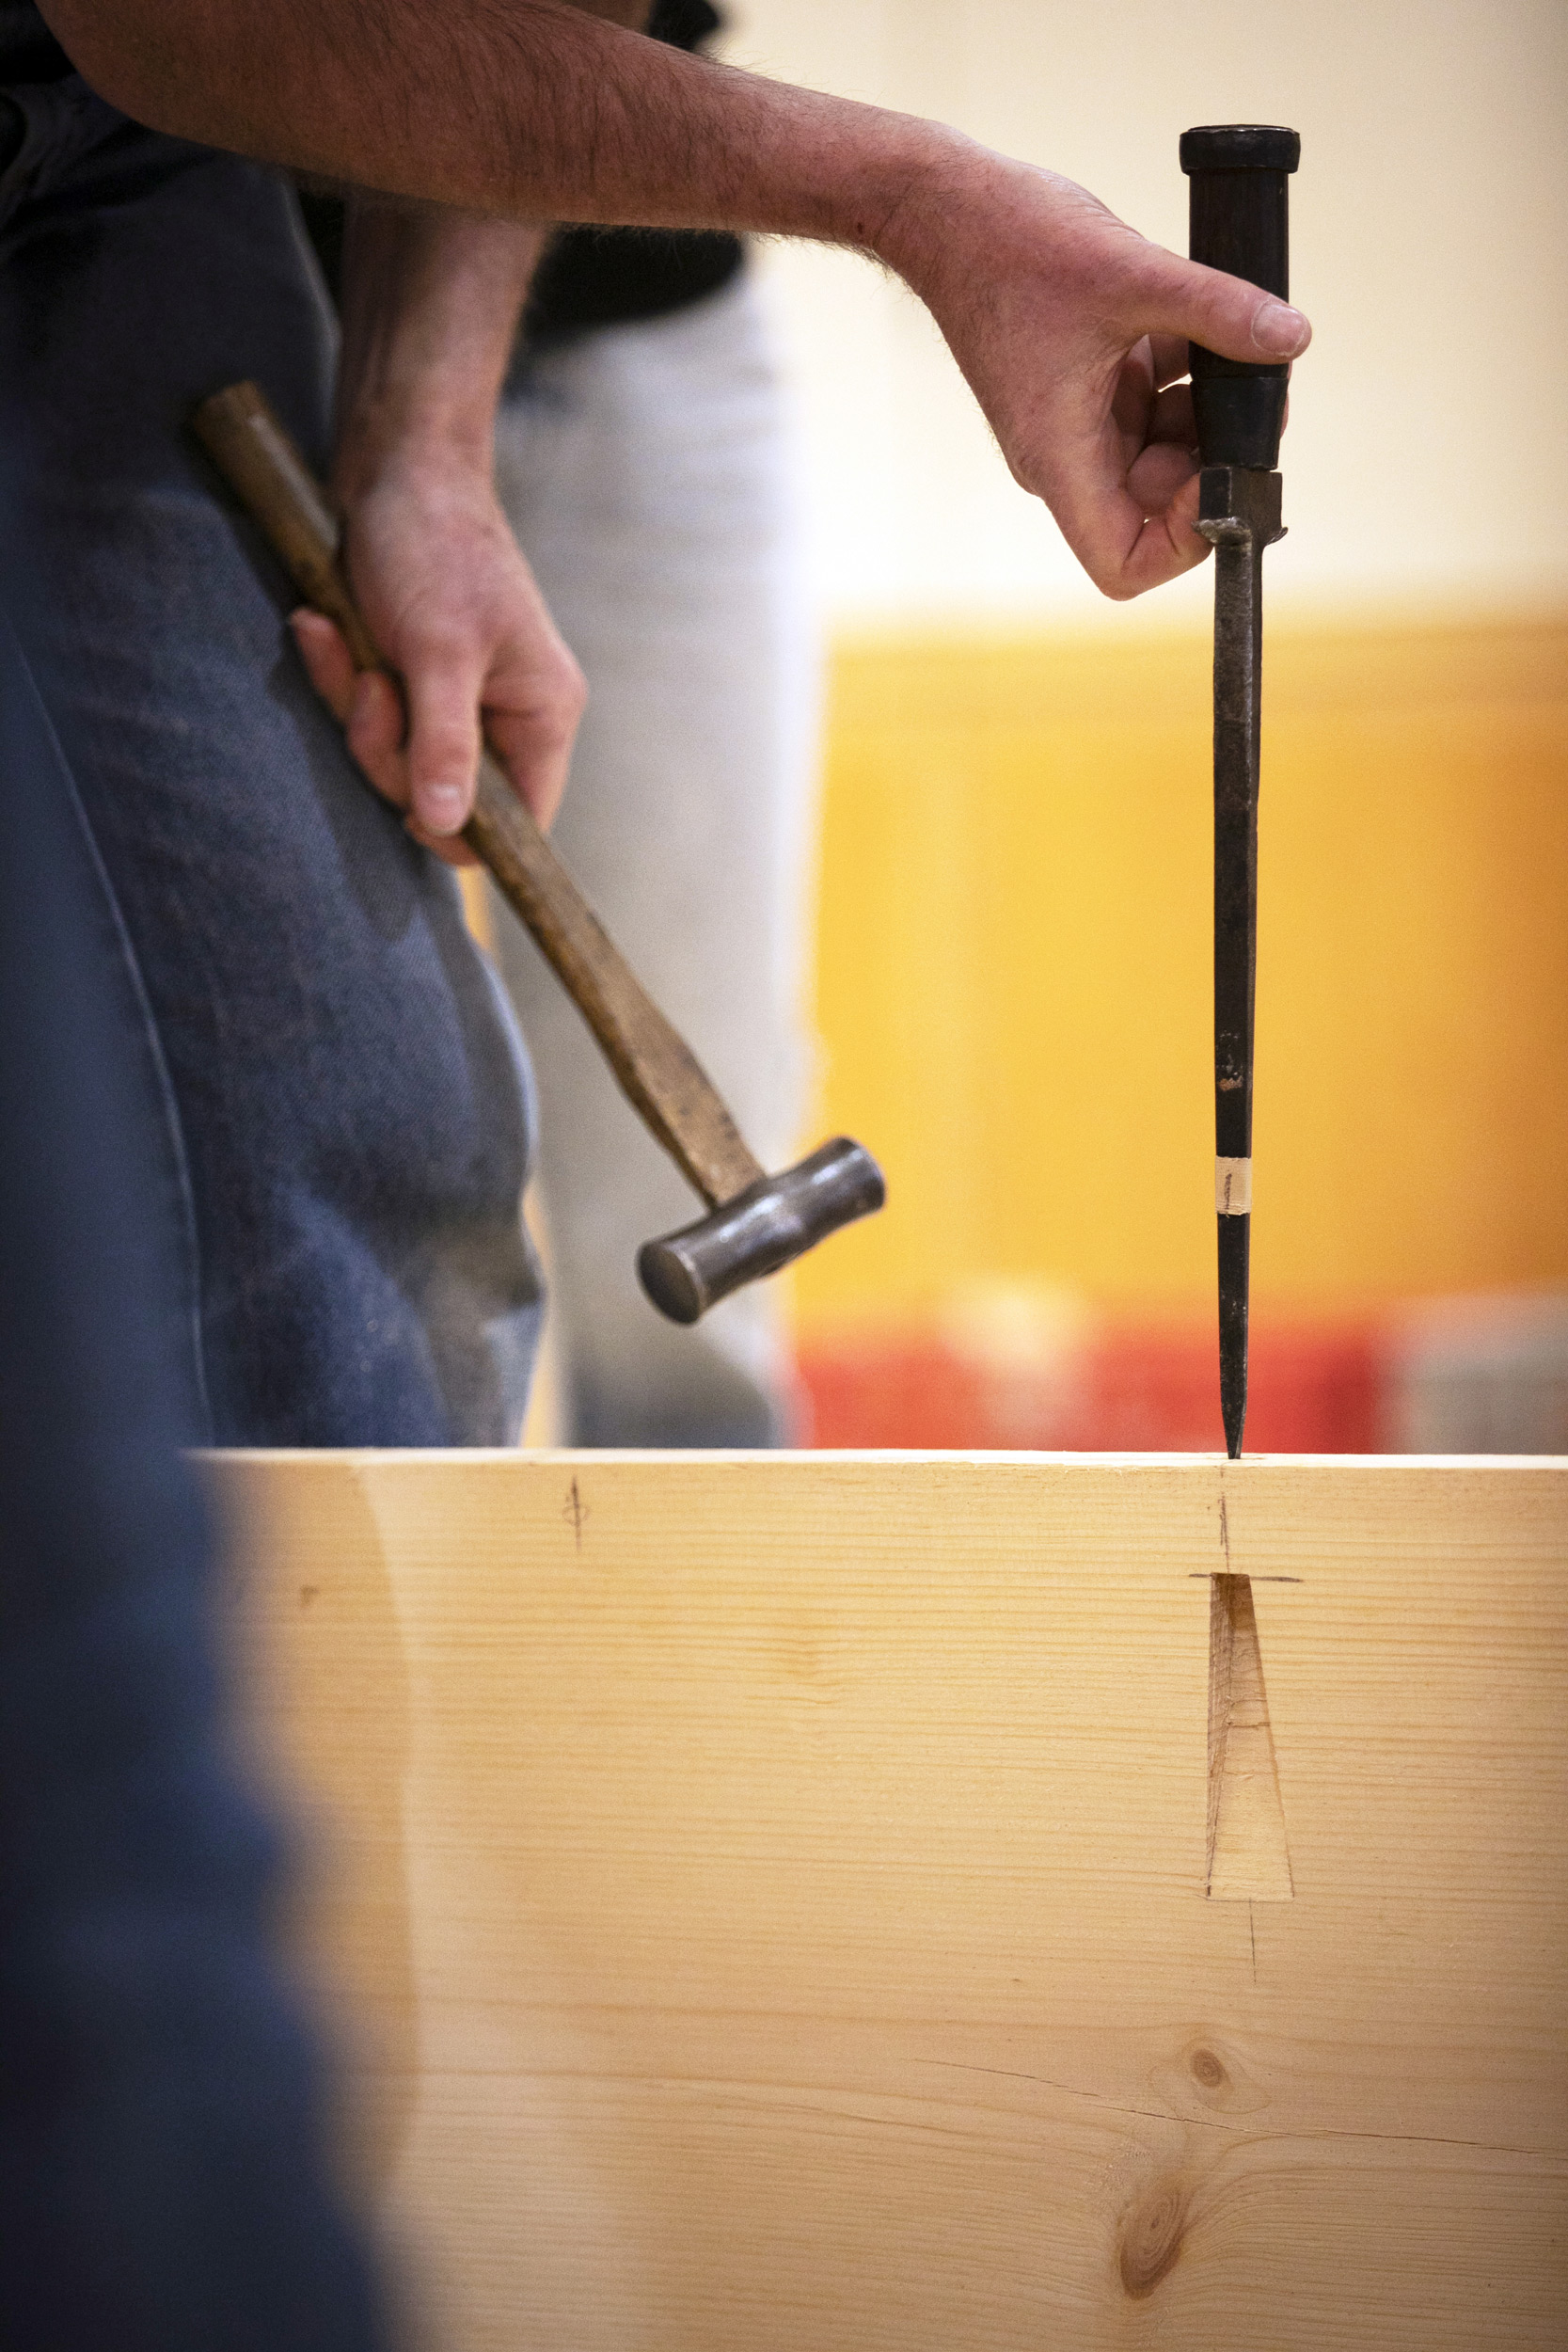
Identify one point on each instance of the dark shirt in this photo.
(606, 276)
(28, 50)
(588, 278)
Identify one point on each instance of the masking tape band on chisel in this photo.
(1233, 1187)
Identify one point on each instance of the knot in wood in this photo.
(1208, 2070)
(1152, 2238)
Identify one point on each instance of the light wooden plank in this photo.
(770, 1893)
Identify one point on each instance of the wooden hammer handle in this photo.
(666, 1084)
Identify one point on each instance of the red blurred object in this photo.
(1119, 1388)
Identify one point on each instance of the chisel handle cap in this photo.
(1240, 222)
(1240, 147)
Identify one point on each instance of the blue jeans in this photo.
(347, 1108)
(163, 2174)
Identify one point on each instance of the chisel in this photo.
(1238, 176)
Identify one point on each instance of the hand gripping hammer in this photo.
(757, 1222)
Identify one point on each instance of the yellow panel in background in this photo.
(1014, 966)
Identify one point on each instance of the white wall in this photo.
(1425, 463)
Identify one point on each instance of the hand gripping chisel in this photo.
(1237, 175)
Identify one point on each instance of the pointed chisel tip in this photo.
(1234, 1411)
(1235, 1251)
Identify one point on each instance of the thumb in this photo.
(1225, 315)
(443, 741)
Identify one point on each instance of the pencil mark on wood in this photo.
(575, 1511)
(1252, 1931)
(1224, 1529)
(1202, 1576)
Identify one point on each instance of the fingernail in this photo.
(442, 807)
(1280, 331)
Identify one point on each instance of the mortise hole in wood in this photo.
(1248, 1859)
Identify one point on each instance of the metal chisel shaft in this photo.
(1237, 683)
(1238, 176)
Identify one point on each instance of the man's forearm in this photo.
(430, 301)
(1071, 329)
(527, 108)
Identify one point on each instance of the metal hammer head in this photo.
(762, 1228)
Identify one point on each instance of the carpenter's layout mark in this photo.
(574, 1510)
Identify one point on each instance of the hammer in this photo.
(757, 1222)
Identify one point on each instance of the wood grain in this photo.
(769, 1893)
(656, 1069)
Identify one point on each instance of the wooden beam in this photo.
(839, 1903)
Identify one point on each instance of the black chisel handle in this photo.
(1240, 222)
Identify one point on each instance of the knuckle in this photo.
(1111, 582)
(565, 689)
(440, 653)
(561, 707)
(446, 757)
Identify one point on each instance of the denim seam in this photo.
(60, 121)
(168, 1100)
